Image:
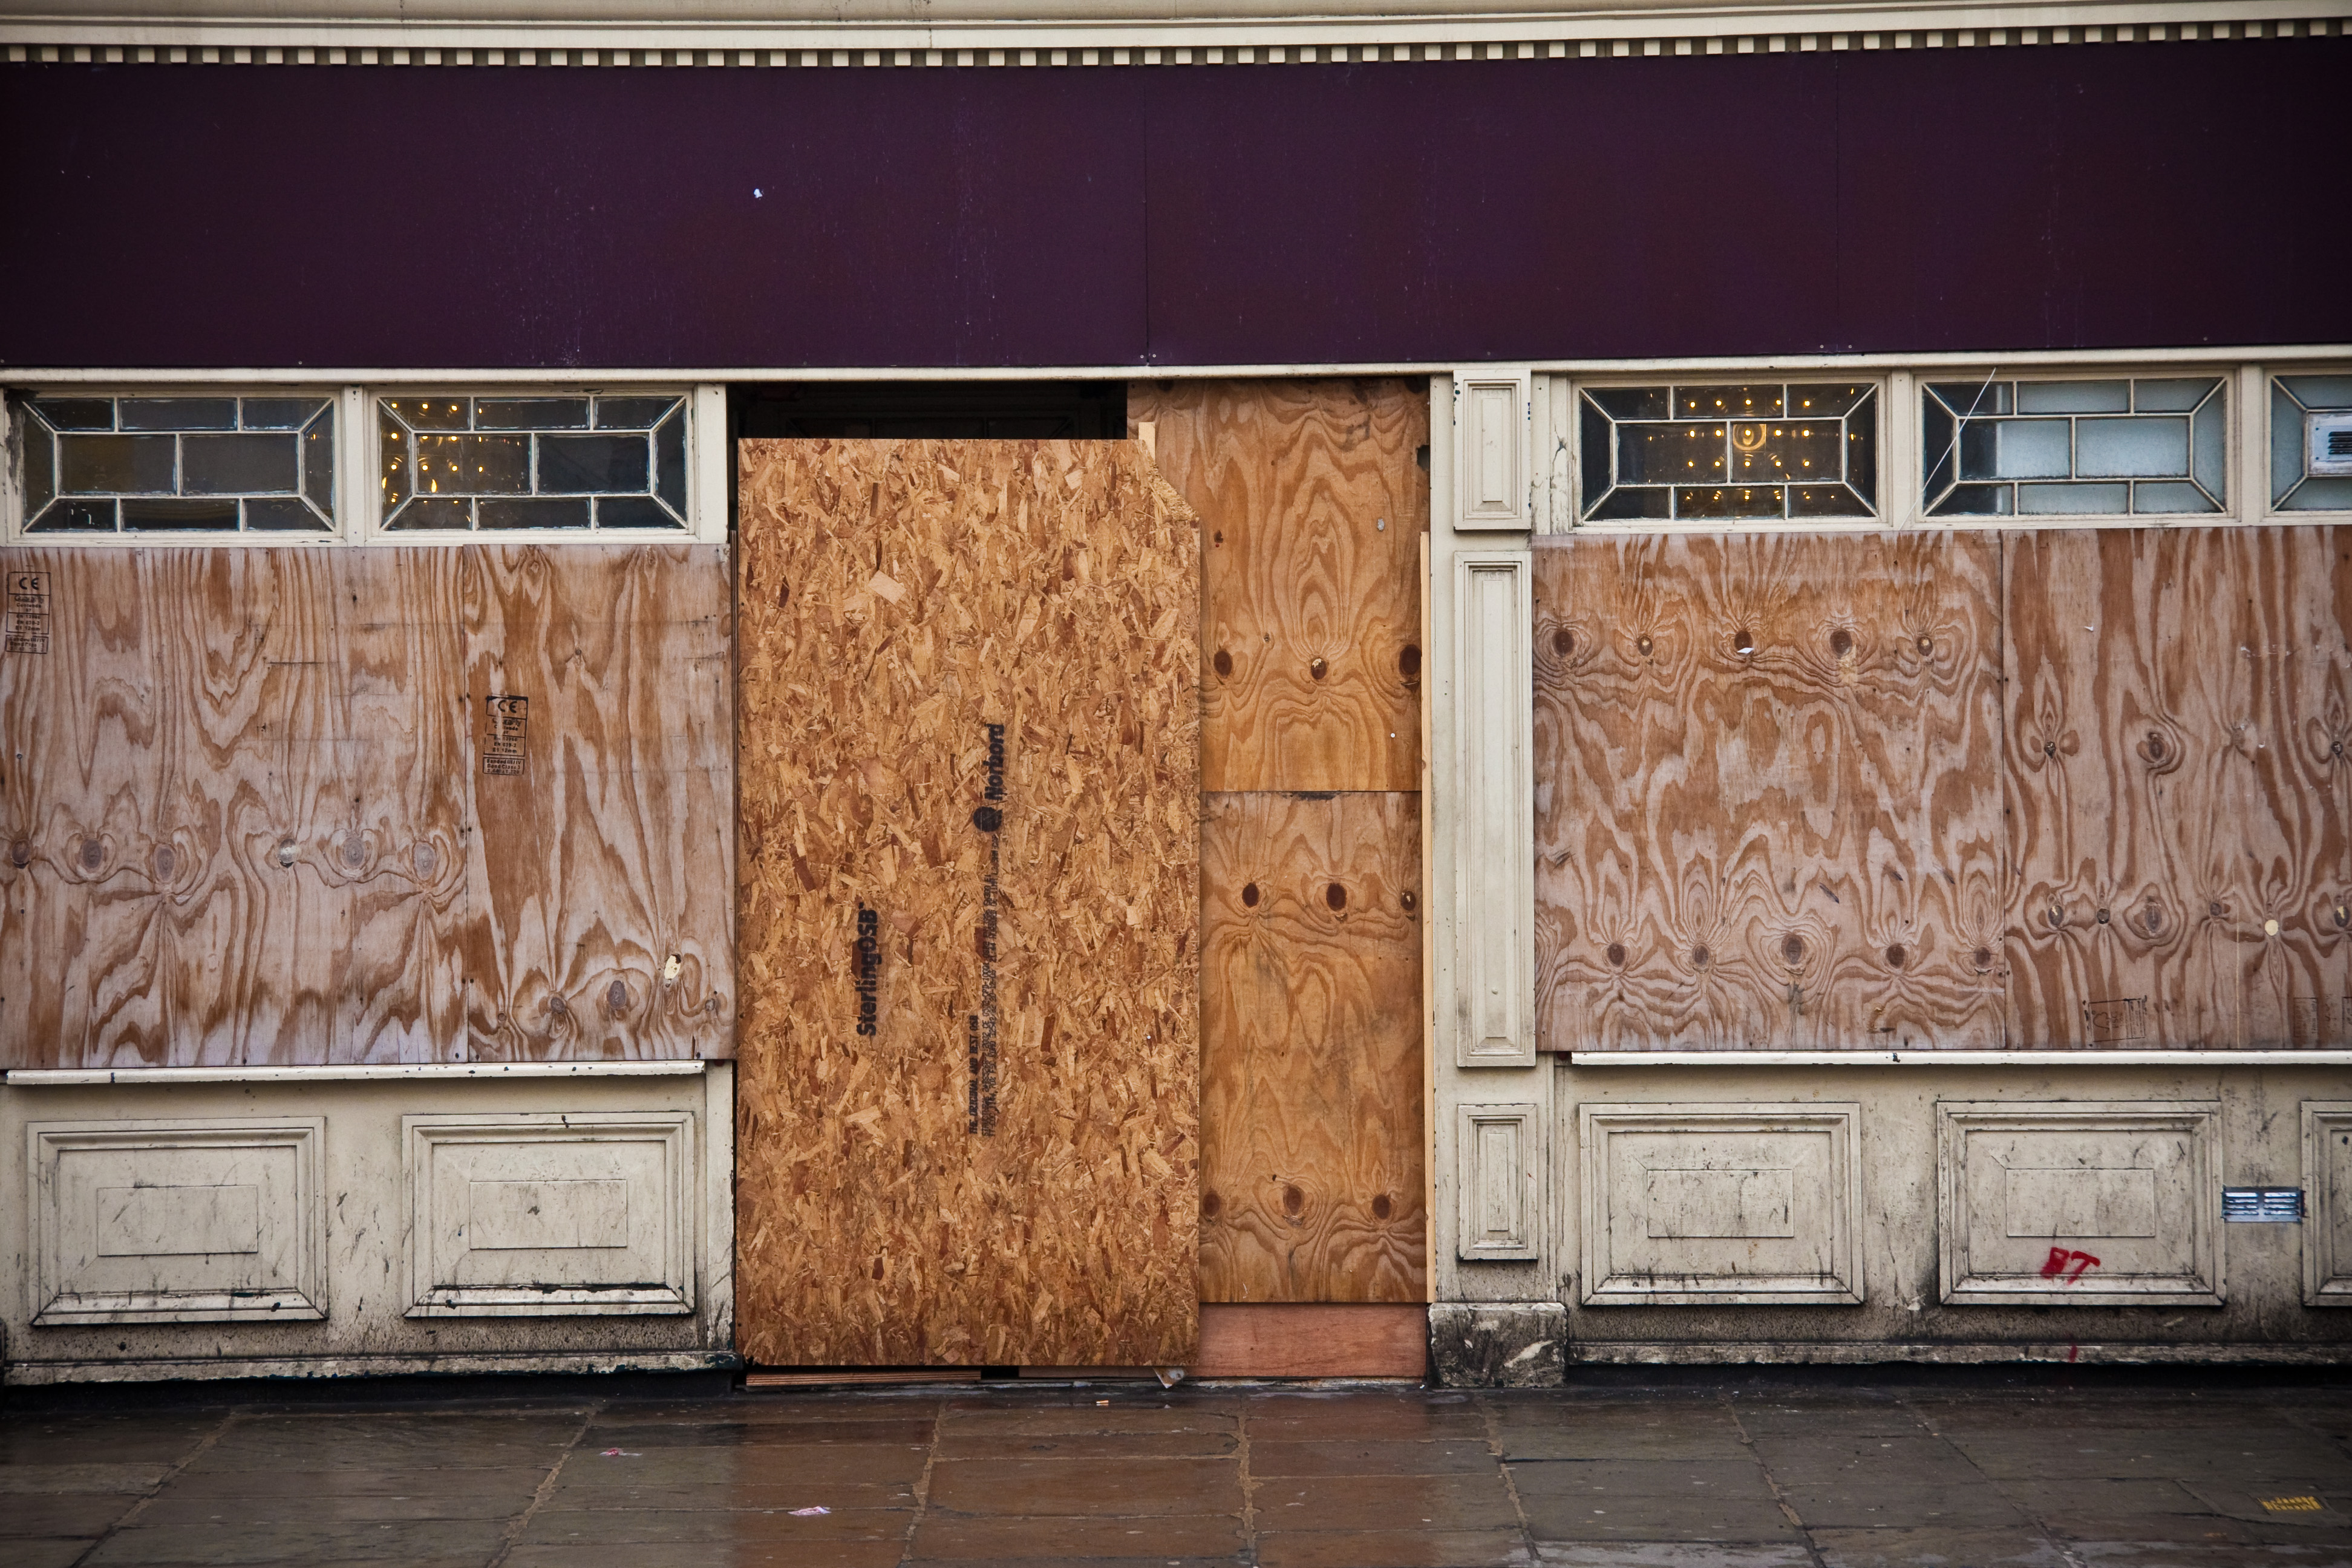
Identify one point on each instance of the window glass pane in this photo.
(2014, 449)
(1729, 500)
(2213, 449)
(1975, 501)
(1727, 402)
(172, 513)
(177, 413)
(669, 454)
(534, 514)
(40, 459)
(2286, 443)
(240, 465)
(1822, 402)
(2319, 390)
(1974, 397)
(77, 413)
(2164, 497)
(1825, 501)
(530, 414)
(1665, 454)
(117, 464)
(1862, 450)
(433, 413)
(2045, 500)
(633, 511)
(1776, 450)
(2156, 447)
(593, 465)
(318, 463)
(77, 517)
(633, 413)
(1594, 429)
(1628, 501)
(1632, 402)
(436, 512)
(2170, 397)
(275, 512)
(280, 412)
(2074, 396)
(2314, 495)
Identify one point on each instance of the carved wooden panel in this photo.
(245, 818)
(550, 1214)
(1732, 1203)
(2327, 1203)
(1767, 796)
(219, 1220)
(1312, 506)
(1496, 1183)
(970, 885)
(1311, 1186)
(2088, 1202)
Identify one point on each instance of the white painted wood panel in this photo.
(2327, 1203)
(2114, 1203)
(550, 1214)
(1498, 1187)
(1720, 1204)
(1492, 410)
(179, 1222)
(1492, 811)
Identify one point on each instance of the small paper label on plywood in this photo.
(2115, 1020)
(506, 727)
(28, 612)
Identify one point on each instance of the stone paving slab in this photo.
(1125, 1475)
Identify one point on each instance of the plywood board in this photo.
(969, 818)
(2179, 704)
(1768, 806)
(1311, 1089)
(601, 909)
(1312, 497)
(239, 823)
(1307, 1340)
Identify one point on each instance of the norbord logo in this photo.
(980, 1027)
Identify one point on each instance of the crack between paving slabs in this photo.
(2041, 1526)
(1249, 1483)
(1779, 1498)
(546, 1489)
(1510, 1483)
(228, 1419)
(923, 1483)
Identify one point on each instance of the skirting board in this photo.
(1654, 1352)
(1304, 1339)
(38, 1373)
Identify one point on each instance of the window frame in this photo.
(12, 529)
(2261, 433)
(358, 495)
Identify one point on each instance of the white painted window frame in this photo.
(2256, 389)
(357, 499)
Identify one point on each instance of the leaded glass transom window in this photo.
(590, 462)
(1765, 450)
(212, 464)
(2311, 442)
(2022, 448)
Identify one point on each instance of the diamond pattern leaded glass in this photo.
(214, 464)
(1769, 450)
(588, 461)
(2023, 449)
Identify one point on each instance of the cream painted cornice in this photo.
(896, 33)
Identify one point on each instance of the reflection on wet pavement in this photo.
(1683, 1476)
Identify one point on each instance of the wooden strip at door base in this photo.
(1302, 1338)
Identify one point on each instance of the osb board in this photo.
(238, 821)
(2180, 710)
(903, 1199)
(1313, 1170)
(1313, 500)
(1767, 800)
(1310, 1339)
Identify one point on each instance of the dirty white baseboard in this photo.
(1724, 1353)
(39, 1373)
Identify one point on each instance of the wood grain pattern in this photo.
(1311, 1089)
(610, 854)
(1767, 809)
(246, 809)
(896, 598)
(1307, 1339)
(1311, 626)
(2180, 710)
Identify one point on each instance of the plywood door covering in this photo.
(1314, 503)
(2091, 785)
(245, 816)
(990, 1176)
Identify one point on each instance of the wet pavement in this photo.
(1735, 1476)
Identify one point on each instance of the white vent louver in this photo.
(2327, 446)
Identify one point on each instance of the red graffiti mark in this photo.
(2055, 1264)
(2073, 1352)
